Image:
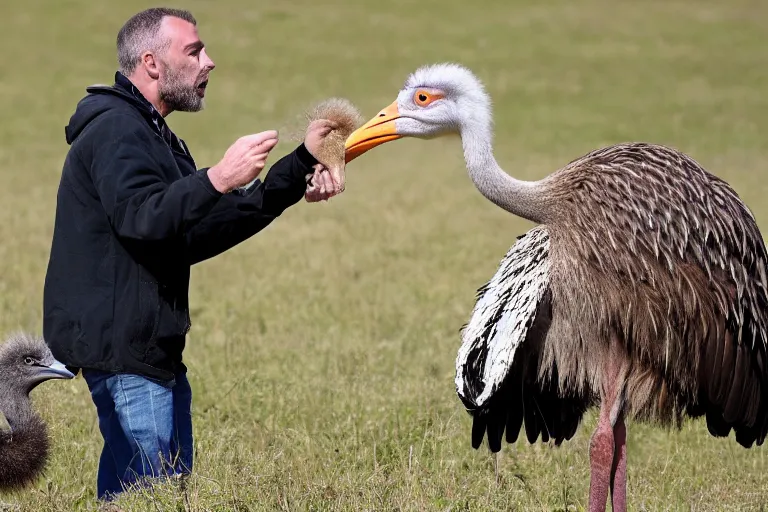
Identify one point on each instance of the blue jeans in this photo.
(146, 426)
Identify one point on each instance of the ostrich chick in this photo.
(346, 118)
(25, 362)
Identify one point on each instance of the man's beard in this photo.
(178, 95)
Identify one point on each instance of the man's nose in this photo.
(207, 62)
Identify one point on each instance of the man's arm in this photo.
(134, 192)
(241, 214)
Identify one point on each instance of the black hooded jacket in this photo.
(133, 214)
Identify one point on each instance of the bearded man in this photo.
(133, 214)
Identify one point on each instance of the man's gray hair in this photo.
(141, 33)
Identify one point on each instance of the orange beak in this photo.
(377, 131)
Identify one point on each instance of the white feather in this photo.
(505, 309)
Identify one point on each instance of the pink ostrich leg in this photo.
(619, 473)
(607, 448)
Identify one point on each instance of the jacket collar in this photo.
(122, 82)
(124, 88)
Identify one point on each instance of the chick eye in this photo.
(29, 361)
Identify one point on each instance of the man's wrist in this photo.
(214, 175)
(305, 157)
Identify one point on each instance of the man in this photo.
(133, 214)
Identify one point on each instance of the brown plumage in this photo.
(650, 249)
(642, 290)
(656, 309)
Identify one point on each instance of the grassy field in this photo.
(322, 350)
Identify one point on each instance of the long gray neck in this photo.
(522, 198)
(16, 406)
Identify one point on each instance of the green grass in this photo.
(322, 350)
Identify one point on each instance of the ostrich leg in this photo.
(607, 448)
(619, 470)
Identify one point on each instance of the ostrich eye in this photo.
(423, 98)
(29, 361)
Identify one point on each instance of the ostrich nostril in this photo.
(382, 114)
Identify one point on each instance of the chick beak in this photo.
(55, 371)
(377, 131)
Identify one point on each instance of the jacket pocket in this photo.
(148, 315)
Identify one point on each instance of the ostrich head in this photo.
(436, 100)
(26, 362)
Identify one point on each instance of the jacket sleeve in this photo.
(133, 189)
(241, 214)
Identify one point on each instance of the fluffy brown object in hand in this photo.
(331, 154)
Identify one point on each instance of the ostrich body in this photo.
(642, 290)
(25, 362)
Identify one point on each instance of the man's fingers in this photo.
(261, 137)
(322, 186)
(266, 145)
(313, 185)
(260, 156)
(335, 173)
(260, 150)
(311, 195)
(328, 180)
(335, 182)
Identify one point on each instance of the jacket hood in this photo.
(100, 99)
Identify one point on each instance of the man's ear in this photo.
(150, 64)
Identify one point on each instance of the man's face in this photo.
(184, 67)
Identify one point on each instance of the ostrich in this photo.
(641, 290)
(25, 362)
